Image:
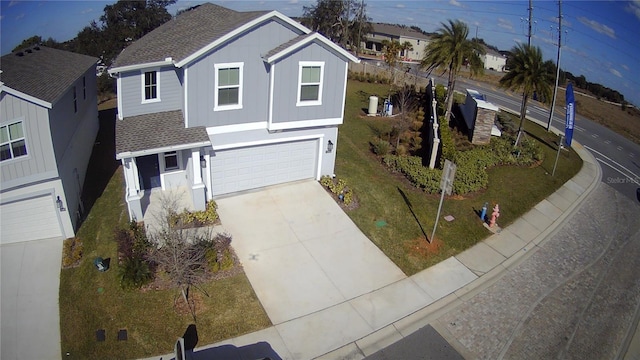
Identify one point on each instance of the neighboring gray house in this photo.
(217, 101)
(401, 34)
(48, 124)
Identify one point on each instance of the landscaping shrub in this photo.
(188, 219)
(338, 187)
(134, 272)
(411, 166)
(132, 242)
(72, 250)
(380, 147)
(446, 139)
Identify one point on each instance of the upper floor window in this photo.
(228, 86)
(12, 142)
(310, 83)
(75, 100)
(150, 86)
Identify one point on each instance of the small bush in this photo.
(187, 219)
(338, 187)
(411, 166)
(134, 273)
(132, 242)
(72, 250)
(380, 147)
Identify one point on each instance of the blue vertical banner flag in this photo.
(571, 115)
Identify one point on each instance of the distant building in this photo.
(493, 60)
(390, 32)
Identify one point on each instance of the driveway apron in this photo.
(300, 251)
(30, 280)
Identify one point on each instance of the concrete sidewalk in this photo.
(367, 323)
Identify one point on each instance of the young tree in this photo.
(450, 48)
(529, 74)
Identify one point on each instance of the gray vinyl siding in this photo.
(40, 163)
(247, 49)
(170, 92)
(286, 86)
(65, 122)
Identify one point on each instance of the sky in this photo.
(599, 38)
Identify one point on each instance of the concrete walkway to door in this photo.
(300, 251)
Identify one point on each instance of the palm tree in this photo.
(450, 49)
(529, 73)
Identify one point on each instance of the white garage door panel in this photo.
(29, 219)
(258, 166)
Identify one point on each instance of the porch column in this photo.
(133, 189)
(197, 189)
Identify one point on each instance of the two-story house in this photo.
(48, 125)
(217, 101)
(391, 32)
(493, 60)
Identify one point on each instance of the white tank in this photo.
(373, 105)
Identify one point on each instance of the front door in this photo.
(149, 171)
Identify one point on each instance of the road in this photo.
(579, 296)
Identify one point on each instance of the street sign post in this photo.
(446, 186)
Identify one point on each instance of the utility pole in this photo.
(555, 88)
(530, 22)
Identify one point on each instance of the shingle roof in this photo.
(156, 131)
(396, 30)
(43, 72)
(185, 34)
(281, 47)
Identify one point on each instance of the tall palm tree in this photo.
(450, 49)
(529, 74)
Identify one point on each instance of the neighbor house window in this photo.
(12, 143)
(171, 160)
(75, 100)
(228, 86)
(310, 83)
(150, 87)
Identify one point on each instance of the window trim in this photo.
(144, 85)
(301, 66)
(216, 88)
(163, 161)
(10, 141)
(75, 100)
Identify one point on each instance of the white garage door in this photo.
(258, 166)
(29, 219)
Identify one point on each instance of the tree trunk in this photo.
(450, 90)
(523, 114)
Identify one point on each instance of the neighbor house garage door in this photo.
(257, 166)
(30, 219)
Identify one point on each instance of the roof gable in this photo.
(43, 73)
(193, 33)
(302, 40)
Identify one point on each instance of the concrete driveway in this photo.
(30, 279)
(300, 251)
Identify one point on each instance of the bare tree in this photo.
(182, 253)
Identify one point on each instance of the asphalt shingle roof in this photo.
(281, 47)
(155, 131)
(185, 34)
(397, 30)
(43, 72)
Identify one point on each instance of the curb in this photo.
(405, 326)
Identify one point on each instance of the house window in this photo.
(171, 160)
(12, 142)
(84, 88)
(228, 86)
(150, 87)
(75, 100)
(310, 83)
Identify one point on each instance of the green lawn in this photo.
(409, 213)
(91, 300)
